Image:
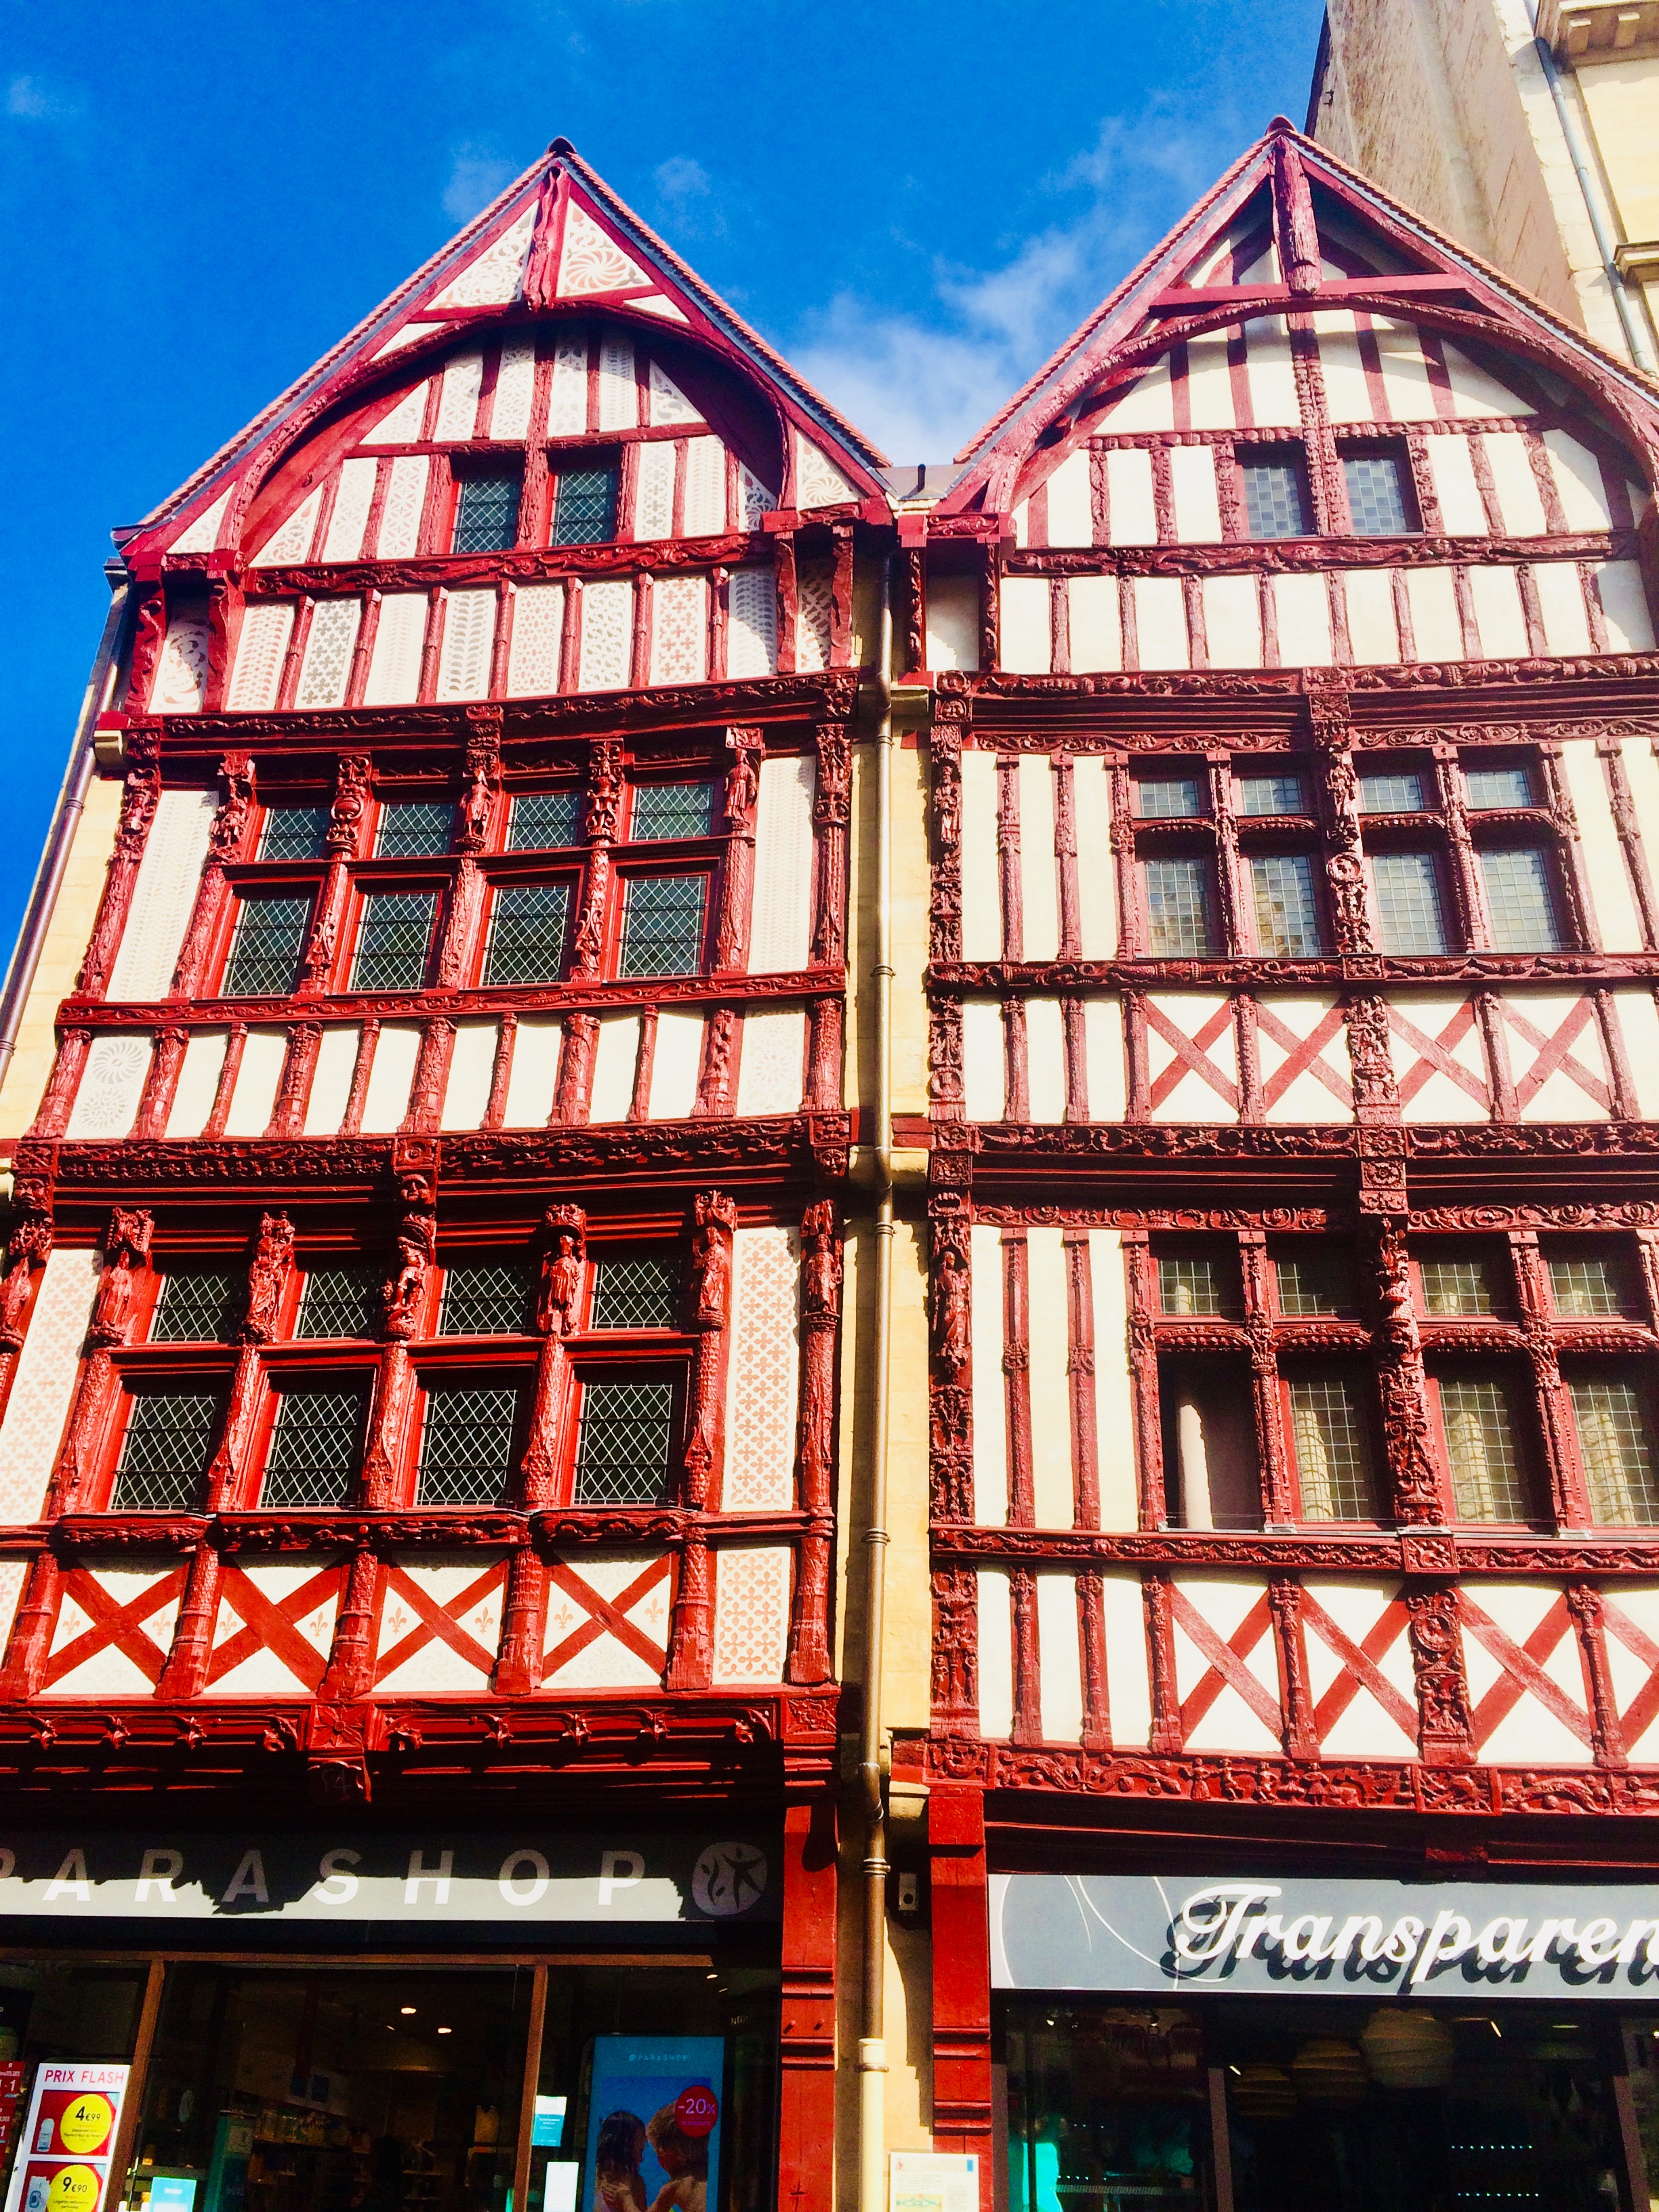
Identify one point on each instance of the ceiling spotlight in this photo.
(408, 2011)
(445, 2031)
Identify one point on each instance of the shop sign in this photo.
(407, 1878)
(1296, 1938)
(73, 2116)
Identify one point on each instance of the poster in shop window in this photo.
(69, 2138)
(653, 2123)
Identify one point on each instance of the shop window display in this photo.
(1253, 2106)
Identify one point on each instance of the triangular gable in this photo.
(1289, 230)
(556, 235)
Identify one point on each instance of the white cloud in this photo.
(922, 380)
(475, 175)
(34, 99)
(680, 179)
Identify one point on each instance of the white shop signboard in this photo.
(1288, 1935)
(404, 1876)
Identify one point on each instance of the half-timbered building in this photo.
(1284, 661)
(577, 881)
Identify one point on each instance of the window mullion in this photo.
(1475, 921)
(1279, 1511)
(1569, 1493)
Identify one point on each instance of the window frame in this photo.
(264, 886)
(370, 886)
(1504, 1364)
(1269, 453)
(298, 1371)
(489, 466)
(631, 866)
(1392, 449)
(1349, 1366)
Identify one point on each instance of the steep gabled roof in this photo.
(1404, 268)
(557, 237)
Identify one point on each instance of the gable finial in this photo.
(1281, 127)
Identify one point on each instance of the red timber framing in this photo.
(478, 916)
(1314, 1199)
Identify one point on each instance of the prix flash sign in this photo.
(1319, 1938)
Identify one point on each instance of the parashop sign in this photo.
(1290, 1936)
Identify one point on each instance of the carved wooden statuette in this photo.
(708, 1294)
(270, 1267)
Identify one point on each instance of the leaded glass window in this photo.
(1409, 915)
(1396, 791)
(1168, 797)
(391, 940)
(338, 1302)
(315, 1443)
(622, 1454)
(1481, 1448)
(1497, 787)
(165, 1451)
(1454, 1288)
(265, 953)
(1310, 1284)
(1377, 498)
(1193, 1284)
(1521, 901)
(638, 1292)
(1178, 906)
(672, 809)
(544, 819)
(198, 1305)
(1615, 1444)
(527, 925)
(487, 514)
(466, 1445)
(1286, 911)
(414, 830)
(294, 833)
(485, 1299)
(584, 506)
(1585, 1287)
(1271, 795)
(662, 926)
(1276, 497)
(1333, 1454)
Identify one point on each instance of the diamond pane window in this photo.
(265, 953)
(1286, 913)
(1168, 797)
(1377, 498)
(199, 1306)
(584, 506)
(621, 1456)
(1276, 498)
(391, 940)
(1193, 1284)
(312, 1464)
(1497, 787)
(636, 1293)
(1585, 1289)
(294, 833)
(672, 809)
(1271, 795)
(1616, 1446)
(487, 514)
(486, 1298)
(544, 819)
(1481, 1447)
(662, 926)
(1409, 915)
(1521, 901)
(339, 1302)
(527, 934)
(1178, 906)
(164, 1454)
(414, 830)
(1453, 1288)
(1332, 1458)
(466, 1445)
(1398, 793)
(1310, 1284)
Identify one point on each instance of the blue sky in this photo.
(915, 202)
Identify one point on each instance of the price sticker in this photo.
(696, 2110)
(84, 2126)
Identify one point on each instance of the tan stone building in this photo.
(1526, 128)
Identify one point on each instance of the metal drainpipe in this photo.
(66, 816)
(1641, 352)
(872, 2047)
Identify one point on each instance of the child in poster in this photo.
(653, 2123)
